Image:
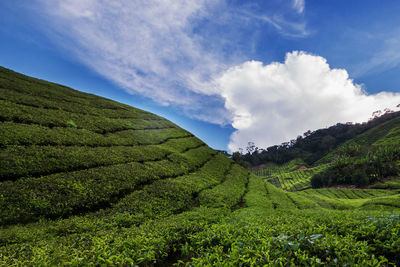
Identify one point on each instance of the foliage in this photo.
(377, 164)
(259, 232)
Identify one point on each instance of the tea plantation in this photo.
(89, 181)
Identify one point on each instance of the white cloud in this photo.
(386, 57)
(298, 5)
(146, 46)
(167, 50)
(289, 28)
(276, 102)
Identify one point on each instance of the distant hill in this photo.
(370, 157)
(317, 146)
(386, 132)
(87, 181)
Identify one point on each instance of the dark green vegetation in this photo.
(362, 169)
(312, 146)
(369, 158)
(88, 181)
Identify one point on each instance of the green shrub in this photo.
(71, 124)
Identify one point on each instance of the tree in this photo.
(308, 133)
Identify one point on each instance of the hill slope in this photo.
(368, 158)
(65, 152)
(88, 181)
(314, 147)
(386, 133)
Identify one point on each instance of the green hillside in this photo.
(371, 158)
(89, 181)
(321, 145)
(384, 134)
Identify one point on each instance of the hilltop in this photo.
(89, 181)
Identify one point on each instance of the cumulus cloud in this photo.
(276, 102)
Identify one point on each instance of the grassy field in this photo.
(88, 181)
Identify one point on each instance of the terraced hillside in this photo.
(88, 181)
(66, 153)
(292, 176)
(371, 155)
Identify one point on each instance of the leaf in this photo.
(316, 236)
(300, 236)
(294, 246)
(283, 237)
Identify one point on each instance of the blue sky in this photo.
(228, 71)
